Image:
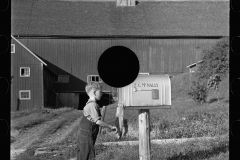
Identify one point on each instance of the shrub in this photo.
(213, 69)
(198, 92)
(213, 81)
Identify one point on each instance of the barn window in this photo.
(94, 78)
(24, 94)
(143, 73)
(126, 2)
(24, 71)
(12, 48)
(63, 79)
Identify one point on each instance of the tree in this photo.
(211, 71)
(215, 60)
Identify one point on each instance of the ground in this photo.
(49, 131)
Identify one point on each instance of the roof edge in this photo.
(189, 66)
(119, 36)
(28, 50)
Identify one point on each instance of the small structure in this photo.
(193, 67)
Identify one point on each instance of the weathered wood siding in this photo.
(34, 83)
(49, 79)
(79, 57)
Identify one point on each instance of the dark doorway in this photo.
(105, 100)
(83, 98)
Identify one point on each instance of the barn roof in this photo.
(94, 18)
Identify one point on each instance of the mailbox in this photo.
(146, 90)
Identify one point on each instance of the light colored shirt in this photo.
(92, 111)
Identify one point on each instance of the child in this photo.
(90, 122)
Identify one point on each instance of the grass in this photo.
(38, 117)
(185, 119)
(198, 150)
(19, 114)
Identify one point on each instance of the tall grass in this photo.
(203, 149)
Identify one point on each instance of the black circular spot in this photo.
(118, 66)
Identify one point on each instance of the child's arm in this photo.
(94, 115)
(104, 124)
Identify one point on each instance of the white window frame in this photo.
(12, 48)
(89, 78)
(145, 73)
(24, 91)
(28, 75)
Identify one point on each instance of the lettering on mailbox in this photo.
(145, 85)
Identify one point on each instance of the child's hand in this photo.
(113, 128)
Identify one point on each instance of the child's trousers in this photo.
(86, 139)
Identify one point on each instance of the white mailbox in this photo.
(146, 90)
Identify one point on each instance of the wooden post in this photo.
(102, 118)
(119, 115)
(144, 134)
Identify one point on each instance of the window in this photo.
(144, 73)
(24, 71)
(63, 79)
(12, 48)
(94, 78)
(126, 2)
(24, 94)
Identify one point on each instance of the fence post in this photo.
(144, 134)
(103, 111)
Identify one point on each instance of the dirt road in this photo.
(49, 129)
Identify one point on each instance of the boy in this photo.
(90, 122)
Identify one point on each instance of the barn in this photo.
(56, 44)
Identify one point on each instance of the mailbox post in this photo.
(144, 134)
(146, 92)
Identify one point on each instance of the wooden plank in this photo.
(103, 112)
(144, 134)
(119, 115)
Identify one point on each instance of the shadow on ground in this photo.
(226, 101)
(201, 154)
(214, 100)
